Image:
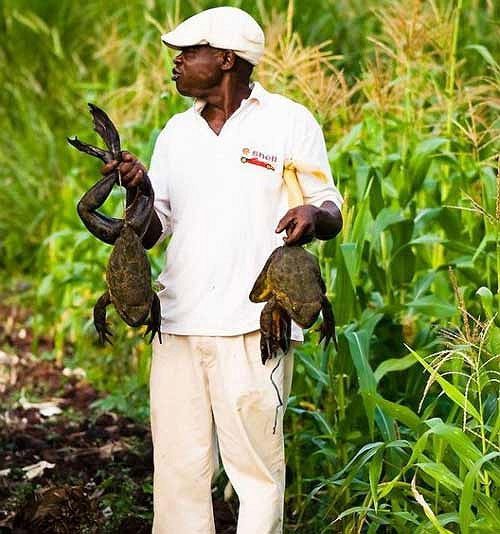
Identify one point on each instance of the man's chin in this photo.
(182, 90)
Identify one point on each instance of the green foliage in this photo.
(401, 428)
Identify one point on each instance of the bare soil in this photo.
(65, 467)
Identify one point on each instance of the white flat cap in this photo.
(229, 28)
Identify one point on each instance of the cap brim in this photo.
(167, 40)
(177, 42)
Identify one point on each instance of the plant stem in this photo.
(450, 82)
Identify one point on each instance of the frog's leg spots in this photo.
(100, 318)
(139, 213)
(154, 321)
(107, 229)
(328, 326)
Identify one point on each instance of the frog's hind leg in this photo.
(106, 129)
(327, 329)
(282, 327)
(107, 229)
(275, 326)
(154, 321)
(140, 208)
(100, 318)
(91, 150)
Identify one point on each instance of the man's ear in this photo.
(228, 60)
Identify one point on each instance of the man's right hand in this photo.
(131, 169)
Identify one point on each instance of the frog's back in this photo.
(129, 278)
(296, 272)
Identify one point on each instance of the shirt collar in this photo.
(257, 94)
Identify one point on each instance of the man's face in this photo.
(197, 70)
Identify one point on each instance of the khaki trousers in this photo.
(209, 390)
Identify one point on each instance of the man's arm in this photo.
(304, 223)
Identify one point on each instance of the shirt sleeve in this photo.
(309, 149)
(158, 174)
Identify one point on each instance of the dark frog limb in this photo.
(128, 273)
(105, 228)
(154, 321)
(327, 330)
(100, 318)
(275, 327)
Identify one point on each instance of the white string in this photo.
(124, 207)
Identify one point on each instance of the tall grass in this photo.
(399, 430)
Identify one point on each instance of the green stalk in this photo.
(450, 83)
(341, 403)
(483, 437)
(297, 465)
(497, 226)
(450, 89)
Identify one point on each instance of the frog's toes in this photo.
(285, 333)
(269, 347)
(325, 333)
(154, 329)
(327, 330)
(266, 348)
(105, 334)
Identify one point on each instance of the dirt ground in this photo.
(64, 466)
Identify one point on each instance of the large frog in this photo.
(291, 283)
(128, 273)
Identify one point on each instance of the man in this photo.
(217, 170)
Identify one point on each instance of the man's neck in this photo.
(224, 101)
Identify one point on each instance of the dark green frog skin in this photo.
(128, 273)
(291, 285)
(128, 277)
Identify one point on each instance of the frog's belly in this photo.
(129, 280)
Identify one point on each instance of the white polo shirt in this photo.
(221, 198)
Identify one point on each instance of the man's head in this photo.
(212, 44)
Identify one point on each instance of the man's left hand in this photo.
(300, 225)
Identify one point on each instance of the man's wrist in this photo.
(318, 218)
(327, 221)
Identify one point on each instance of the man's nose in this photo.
(178, 59)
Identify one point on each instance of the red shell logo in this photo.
(257, 158)
(257, 161)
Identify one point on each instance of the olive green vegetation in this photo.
(399, 429)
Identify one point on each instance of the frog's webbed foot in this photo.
(154, 321)
(100, 319)
(106, 129)
(275, 328)
(109, 134)
(105, 228)
(91, 150)
(327, 330)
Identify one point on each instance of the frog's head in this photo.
(133, 315)
(304, 313)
